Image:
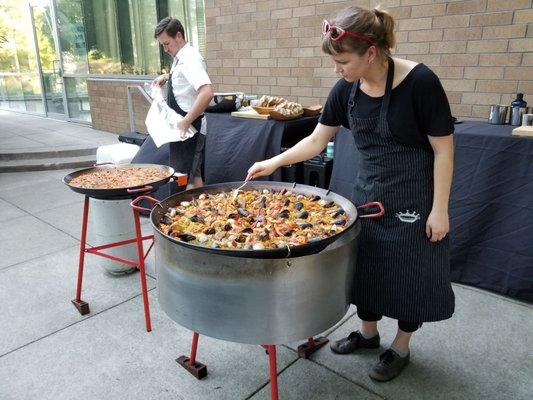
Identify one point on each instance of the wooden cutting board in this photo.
(249, 114)
(523, 131)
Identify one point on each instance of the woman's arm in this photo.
(438, 223)
(304, 150)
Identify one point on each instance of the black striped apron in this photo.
(400, 273)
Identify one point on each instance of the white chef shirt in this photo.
(188, 75)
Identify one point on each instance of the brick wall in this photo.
(482, 50)
(109, 105)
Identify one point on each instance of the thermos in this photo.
(517, 110)
(498, 114)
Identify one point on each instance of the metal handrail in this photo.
(130, 103)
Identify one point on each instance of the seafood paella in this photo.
(253, 219)
(115, 178)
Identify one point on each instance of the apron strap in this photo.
(172, 103)
(351, 103)
(388, 89)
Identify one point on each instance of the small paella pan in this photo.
(109, 181)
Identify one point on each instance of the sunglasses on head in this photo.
(337, 33)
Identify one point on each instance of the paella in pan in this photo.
(253, 219)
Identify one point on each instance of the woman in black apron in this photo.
(400, 118)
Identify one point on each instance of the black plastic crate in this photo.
(132, 138)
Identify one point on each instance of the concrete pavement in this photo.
(49, 351)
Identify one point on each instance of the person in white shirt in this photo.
(189, 94)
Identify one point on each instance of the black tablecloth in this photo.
(491, 205)
(234, 144)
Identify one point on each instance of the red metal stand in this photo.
(273, 370)
(307, 349)
(82, 306)
(197, 369)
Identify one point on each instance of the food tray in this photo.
(263, 110)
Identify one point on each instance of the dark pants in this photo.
(403, 325)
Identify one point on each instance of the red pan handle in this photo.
(144, 189)
(372, 204)
(141, 198)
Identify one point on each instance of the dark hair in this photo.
(375, 24)
(171, 26)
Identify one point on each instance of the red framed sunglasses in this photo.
(336, 33)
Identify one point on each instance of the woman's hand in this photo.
(437, 225)
(262, 168)
(160, 80)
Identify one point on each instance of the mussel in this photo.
(227, 227)
(303, 215)
(315, 198)
(299, 205)
(339, 222)
(209, 231)
(166, 220)
(247, 230)
(305, 225)
(186, 237)
(197, 218)
(288, 232)
(284, 213)
(336, 213)
(262, 202)
(242, 212)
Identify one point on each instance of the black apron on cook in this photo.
(399, 273)
(178, 155)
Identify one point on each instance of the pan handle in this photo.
(144, 189)
(141, 198)
(371, 204)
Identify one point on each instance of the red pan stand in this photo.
(82, 306)
(199, 370)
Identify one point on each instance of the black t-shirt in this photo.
(418, 107)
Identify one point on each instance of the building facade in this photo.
(482, 50)
(51, 51)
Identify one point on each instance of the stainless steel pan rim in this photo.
(291, 251)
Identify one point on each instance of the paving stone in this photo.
(308, 380)
(483, 352)
(36, 296)
(27, 238)
(109, 357)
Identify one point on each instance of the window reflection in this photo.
(111, 37)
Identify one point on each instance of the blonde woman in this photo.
(400, 118)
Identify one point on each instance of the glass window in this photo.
(77, 98)
(119, 36)
(31, 90)
(20, 86)
(72, 36)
